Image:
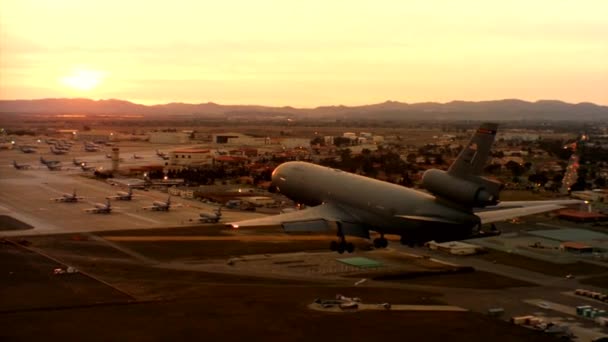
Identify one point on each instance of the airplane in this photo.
(54, 166)
(51, 164)
(68, 198)
(213, 217)
(77, 162)
(28, 149)
(58, 151)
(91, 148)
(21, 166)
(135, 156)
(163, 155)
(100, 208)
(122, 195)
(160, 205)
(456, 205)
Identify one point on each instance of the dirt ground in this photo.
(544, 267)
(219, 307)
(601, 281)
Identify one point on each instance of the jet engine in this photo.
(474, 192)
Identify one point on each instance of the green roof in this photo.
(360, 262)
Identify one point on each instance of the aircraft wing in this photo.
(491, 216)
(313, 219)
(520, 204)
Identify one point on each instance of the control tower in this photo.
(115, 158)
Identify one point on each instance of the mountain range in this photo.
(510, 109)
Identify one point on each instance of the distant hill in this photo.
(390, 110)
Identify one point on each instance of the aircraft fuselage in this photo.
(379, 204)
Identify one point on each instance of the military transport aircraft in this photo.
(100, 208)
(68, 198)
(160, 205)
(458, 202)
(213, 217)
(122, 195)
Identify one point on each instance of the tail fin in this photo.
(472, 159)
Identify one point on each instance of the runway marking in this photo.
(141, 217)
(125, 250)
(280, 238)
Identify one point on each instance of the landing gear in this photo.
(380, 242)
(341, 245)
(409, 242)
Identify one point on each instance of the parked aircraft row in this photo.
(107, 208)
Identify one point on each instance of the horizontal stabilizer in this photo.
(519, 204)
(491, 216)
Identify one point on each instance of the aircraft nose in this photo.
(279, 174)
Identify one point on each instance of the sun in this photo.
(83, 79)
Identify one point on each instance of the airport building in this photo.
(238, 139)
(191, 157)
(455, 247)
(170, 137)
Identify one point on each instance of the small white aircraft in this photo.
(160, 205)
(68, 198)
(213, 217)
(100, 208)
(21, 166)
(122, 195)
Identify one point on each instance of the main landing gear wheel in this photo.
(380, 242)
(341, 245)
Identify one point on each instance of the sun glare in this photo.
(83, 79)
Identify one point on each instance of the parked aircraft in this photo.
(213, 217)
(68, 198)
(52, 165)
(58, 151)
(21, 166)
(77, 162)
(459, 201)
(90, 148)
(28, 149)
(163, 155)
(100, 208)
(160, 205)
(122, 195)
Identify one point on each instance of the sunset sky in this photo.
(304, 53)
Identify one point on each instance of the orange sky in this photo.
(304, 53)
